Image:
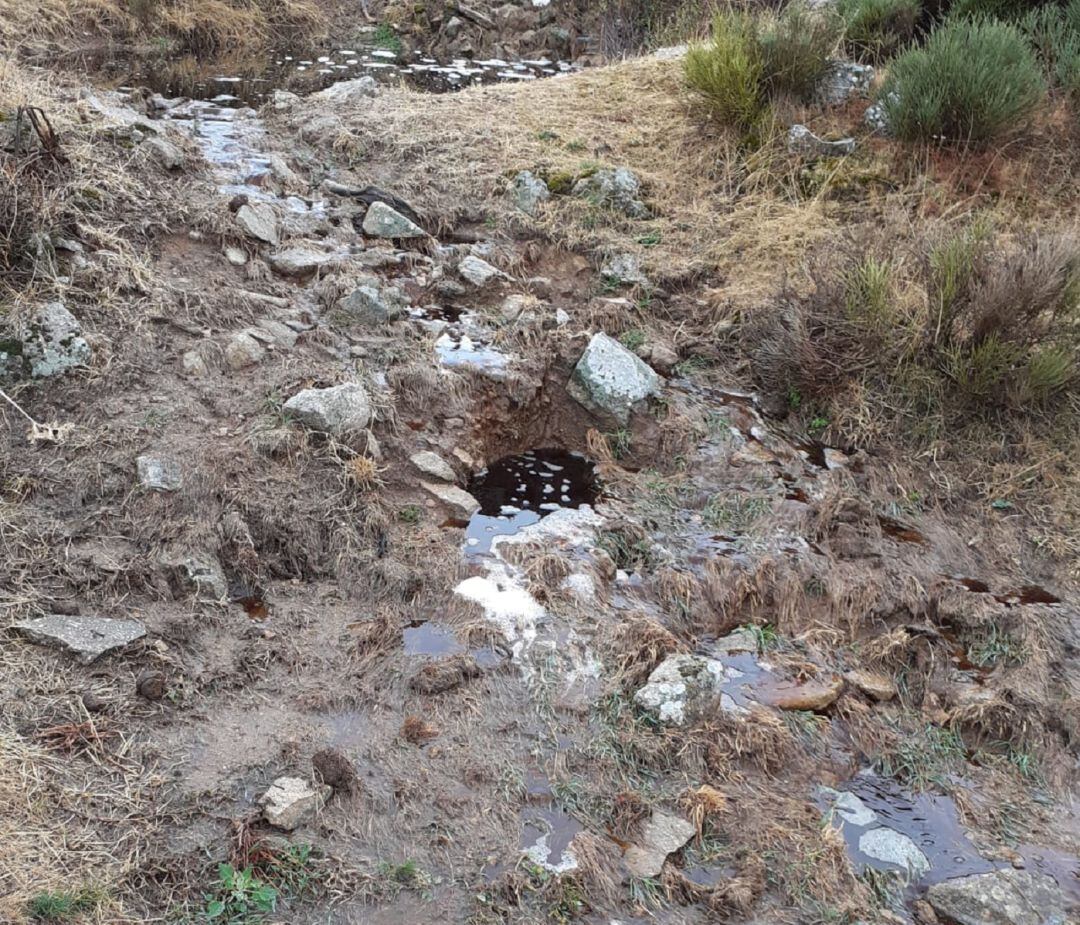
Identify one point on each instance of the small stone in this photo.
(624, 269)
(150, 684)
(562, 318)
(274, 332)
(280, 100)
(663, 834)
(457, 499)
(527, 192)
(243, 350)
(802, 141)
(88, 638)
(373, 302)
(520, 307)
(198, 572)
(478, 272)
(876, 116)
(742, 640)
(236, 256)
(336, 410)
(54, 343)
(434, 465)
(1002, 897)
(892, 847)
(348, 92)
(300, 261)
(259, 220)
(291, 801)
(610, 379)
(878, 686)
(159, 473)
(167, 154)
(282, 172)
(817, 694)
(382, 221)
(844, 80)
(194, 364)
(677, 683)
(617, 189)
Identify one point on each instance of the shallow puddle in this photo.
(919, 835)
(431, 640)
(518, 491)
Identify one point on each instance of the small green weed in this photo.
(239, 897)
(633, 339)
(411, 514)
(995, 647)
(386, 37)
(923, 757)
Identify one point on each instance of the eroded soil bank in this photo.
(410, 527)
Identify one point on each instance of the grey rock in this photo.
(300, 261)
(802, 141)
(259, 220)
(281, 100)
(159, 473)
(739, 641)
(457, 499)
(527, 192)
(478, 272)
(349, 91)
(336, 410)
(663, 358)
(660, 836)
(609, 379)
(87, 638)
(849, 807)
(198, 572)
(282, 172)
(876, 116)
(54, 343)
(277, 333)
(194, 365)
(892, 847)
(617, 189)
(243, 350)
(114, 112)
(434, 465)
(374, 302)
(235, 255)
(679, 682)
(624, 269)
(321, 130)
(844, 80)
(291, 801)
(382, 221)
(1002, 897)
(168, 155)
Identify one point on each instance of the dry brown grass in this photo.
(198, 25)
(452, 154)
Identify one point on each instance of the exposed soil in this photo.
(468, 683)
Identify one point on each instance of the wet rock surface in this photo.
(1003, 897)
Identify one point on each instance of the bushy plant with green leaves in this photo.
(973, 81)
(753, 58)
(877, 29)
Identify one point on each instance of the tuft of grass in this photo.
(62, 906)
(995, 647)
(1054, 32)
(971, 82)
(923, 757)
(796, 49)
(877, 29)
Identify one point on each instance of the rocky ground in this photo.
(391, 514)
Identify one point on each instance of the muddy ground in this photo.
(849, 639)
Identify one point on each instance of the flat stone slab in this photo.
(87, 638)
(457, 499)
(660, 836)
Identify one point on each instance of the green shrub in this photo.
(727, 72)
(1054, 32)
(877, 29)
(752, 58)
(796, 49)
(972, 81)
